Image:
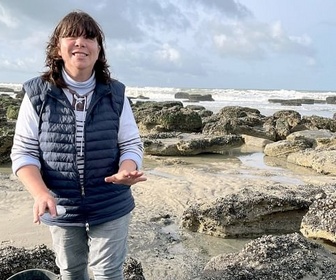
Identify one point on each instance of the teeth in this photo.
(80, 54)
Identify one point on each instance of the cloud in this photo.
(257, 40)
(228, 7)
(168, 54)
(150, 41)
(6, 18)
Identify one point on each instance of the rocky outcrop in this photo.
(295, 102)
(283, 123)
(322, 161)
(331, 100)
(14, 260)
(319, 221)
(193, 97)
(315, 149)
(154, 117)
(237, 120)
(8, 111)
(317, 123)
(251, 213)
(287, 257)
(285, 147)
(189, 144)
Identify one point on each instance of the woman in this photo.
(77, 147)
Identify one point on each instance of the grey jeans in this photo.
(102, 247)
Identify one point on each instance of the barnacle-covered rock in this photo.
(250, 212)
(14, 260)
(319, 222)
(284, 257)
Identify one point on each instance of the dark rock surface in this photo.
(190, 144)
(14, 260)
(284, 257)
(319, 221)
(251, 213)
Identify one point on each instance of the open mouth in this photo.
(79, 54)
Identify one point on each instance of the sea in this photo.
(252, 98)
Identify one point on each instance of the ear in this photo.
(59, 49)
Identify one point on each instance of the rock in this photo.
(192, 97)
(237, 120)
(256, 141)
(285, 257)
(6, 89)
(190, 144)
(181, 95)
(310, 136)
(317, 122)
(295, 102)
(314, 149)
(282, 123)
(331, 100)
(200, 97)
(291, 102)
(142, 97)
(204, 113)
(321, 161)
(319, 221)
(251, 213)
(284, 148)
(133, 269)
(14, 260)
(308, 101)
(166, 116)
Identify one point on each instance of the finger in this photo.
(52, 210)
(42, 208)
(136, 173)
(110, 179)
(36, 217)
(140, 179)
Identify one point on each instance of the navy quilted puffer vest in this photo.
(97, 202)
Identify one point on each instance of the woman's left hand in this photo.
(125, 177)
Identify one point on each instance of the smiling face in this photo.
(76, 46)
(79, 55)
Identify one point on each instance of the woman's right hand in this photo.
(43, 203)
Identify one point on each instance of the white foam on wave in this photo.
(252, 98)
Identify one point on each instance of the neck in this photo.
(79, 76)
(81, 87)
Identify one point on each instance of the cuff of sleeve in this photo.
(135, 158)
(23, 161)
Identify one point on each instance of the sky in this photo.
(242, 44)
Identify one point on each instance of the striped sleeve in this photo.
(130, 144)
(25, 143)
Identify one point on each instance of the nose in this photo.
(80, 42)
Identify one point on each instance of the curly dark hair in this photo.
(75, 24)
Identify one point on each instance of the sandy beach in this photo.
(165, 250)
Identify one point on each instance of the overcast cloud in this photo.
(287, 44)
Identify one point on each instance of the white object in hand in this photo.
(60, 211)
